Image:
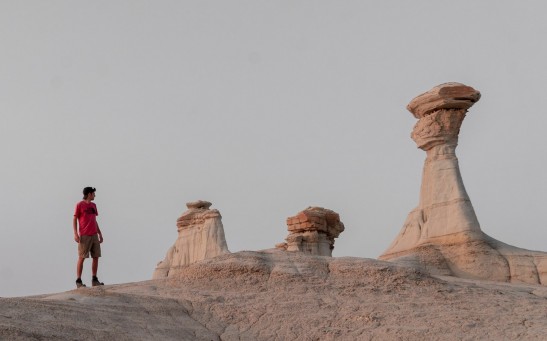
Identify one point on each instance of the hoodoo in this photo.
(442, 235)
(201, 236)
(312, 231)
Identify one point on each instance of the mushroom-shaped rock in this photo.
(312, 231)
(442, 235)
(200, 236)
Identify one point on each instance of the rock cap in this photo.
(198, 204)
(316, 219)
(444, 96)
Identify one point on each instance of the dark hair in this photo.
(88, 190)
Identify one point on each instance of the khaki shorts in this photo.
(89, 244)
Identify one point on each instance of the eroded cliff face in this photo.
(201, 236)
(443, 234)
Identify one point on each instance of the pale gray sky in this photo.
(261, 107)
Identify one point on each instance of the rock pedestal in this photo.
(201, 236)
(313, 231)
(442, 235)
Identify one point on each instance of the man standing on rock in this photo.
(88, 236)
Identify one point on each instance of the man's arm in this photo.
(75, 228)
(100, 234)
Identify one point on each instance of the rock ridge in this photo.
(278, 295)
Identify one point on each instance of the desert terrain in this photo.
(442, 278)
(275, 295)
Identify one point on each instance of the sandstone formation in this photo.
(201, 236)
(284, 296)
(442, 235)
(312, 231)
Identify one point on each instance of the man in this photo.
(88, 236)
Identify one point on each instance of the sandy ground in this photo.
(284, 296)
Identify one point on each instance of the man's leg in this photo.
(95, 254)
(94, 280)
(95, 266)
(79, 267)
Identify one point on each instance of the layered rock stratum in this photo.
(442, 235)
(284, 296)
(312, 231)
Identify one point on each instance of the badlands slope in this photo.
(275, 295)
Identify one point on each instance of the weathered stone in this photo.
(442, 235)
(313, 231)
(198, 204)
(439, 127)
(444, 96)
(200, 236)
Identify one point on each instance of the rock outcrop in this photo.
(267, 296)
(313, 231)
(442, 235)
(201, 236)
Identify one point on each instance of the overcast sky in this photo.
(261, 107)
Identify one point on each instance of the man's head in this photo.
(89, 193)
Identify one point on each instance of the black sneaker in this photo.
(95, 282)
(79, 283)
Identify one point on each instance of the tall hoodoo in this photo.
(201, 236)
(444, 208)
(443, 234)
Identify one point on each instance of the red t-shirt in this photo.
(87, 213)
